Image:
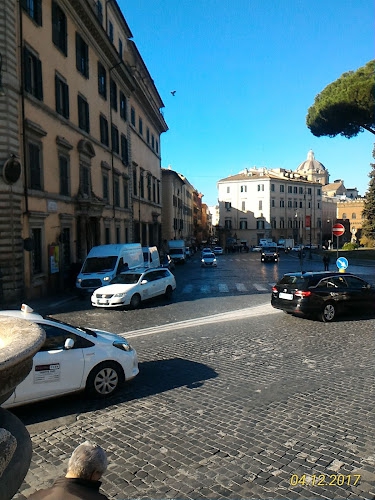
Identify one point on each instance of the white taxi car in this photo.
(73, 359)
(132, 287)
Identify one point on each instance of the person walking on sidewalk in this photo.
(326, 261)
(81, 482)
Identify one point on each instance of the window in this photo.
(228, 189)
(110, 31)
(104, 138)
(140, 125)
(282, 188)
(124, 150)
(354, 215)
(85, 180)
(300, 190)
(282, 204)
(36, 234)
(114, 139)
(290, 189)
(260, 205)
(154, 189)
(149, 186)
(102, 80)
(120, 48)
(59, 28)
(260, 224)
(123, 107)
(156, 146)
(148, 135)
(272, 188)
(132, 116)
(82, 56)
(243, 224)
(290, 223)
(158, 191)
(141, 184)
(300, 204)
(273, 203)
(319, 192)
(228, 205)
(99, 11)
(33, 9)
(295, 204)
(116, 190)
(126, 194)
(83, 114)
(113, 95)
(105, 183)
(33, 74)
(308, 190)
(344, 215)
(64, 175)
(61, 97)
(118, 235)
(295, 189)
(135, 187)
(152, 141)
(260, 187)
(273, 223)
(35, 165)
(228, 223)
(243, 206)
(290, 204)
(243, 189)
(282, 223)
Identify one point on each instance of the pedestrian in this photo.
(81, 482)
(326, 261)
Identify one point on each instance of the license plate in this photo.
(103, 301)
(286, 296)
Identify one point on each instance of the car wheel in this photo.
(104, 379)
(329, 312)
(168, 292)
(135, 301)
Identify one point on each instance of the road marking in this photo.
(241, 287)
(248, 312)
(260, 288)
(223, 287)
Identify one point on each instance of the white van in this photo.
(104, 262)
(150, 257)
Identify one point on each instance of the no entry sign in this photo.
(338, 229)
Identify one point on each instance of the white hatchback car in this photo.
(208, 260)
(73, 359)
(132, 287)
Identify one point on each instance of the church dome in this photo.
(313, 169)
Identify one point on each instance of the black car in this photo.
(269, 254)
(322, 294)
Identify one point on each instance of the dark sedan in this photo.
(322, 294)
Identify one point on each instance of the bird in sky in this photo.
(173, 92)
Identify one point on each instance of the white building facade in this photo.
(270, 203)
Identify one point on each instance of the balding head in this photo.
(88, 461)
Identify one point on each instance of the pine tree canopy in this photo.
(346, 106)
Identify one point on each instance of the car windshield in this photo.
(99, 264)
(208, 256)
(292, 280)
(80, 328)
(126, 279)
(175, 251)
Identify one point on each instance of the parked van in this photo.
(104, 262)
(176, 249)
(150, 257)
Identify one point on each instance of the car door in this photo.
(361, 295)
(55, 370)
(153, 283)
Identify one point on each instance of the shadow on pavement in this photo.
(154, 377)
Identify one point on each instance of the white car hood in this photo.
(116, 288)
(111, 337)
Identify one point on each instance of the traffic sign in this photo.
(338, 229)
(342, 263)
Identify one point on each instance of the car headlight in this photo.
(79, 280)
(122, 294)
(107, 278)
(123, 345)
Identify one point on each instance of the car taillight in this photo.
(301, 293)
(274, 289)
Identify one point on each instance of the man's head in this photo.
(88, 461)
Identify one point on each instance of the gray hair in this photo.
(86, 459)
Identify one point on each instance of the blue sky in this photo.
(245, 73)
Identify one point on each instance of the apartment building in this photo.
(80, 121)
(270, 203)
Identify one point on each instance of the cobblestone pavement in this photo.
(266, 407)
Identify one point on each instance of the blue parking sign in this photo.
(342, 263)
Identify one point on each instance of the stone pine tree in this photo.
(368, 226)
(346, 106)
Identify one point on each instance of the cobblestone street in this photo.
(267, 407)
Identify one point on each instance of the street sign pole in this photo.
(338, 230)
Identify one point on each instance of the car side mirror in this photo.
(143, 282)
(69, 344)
